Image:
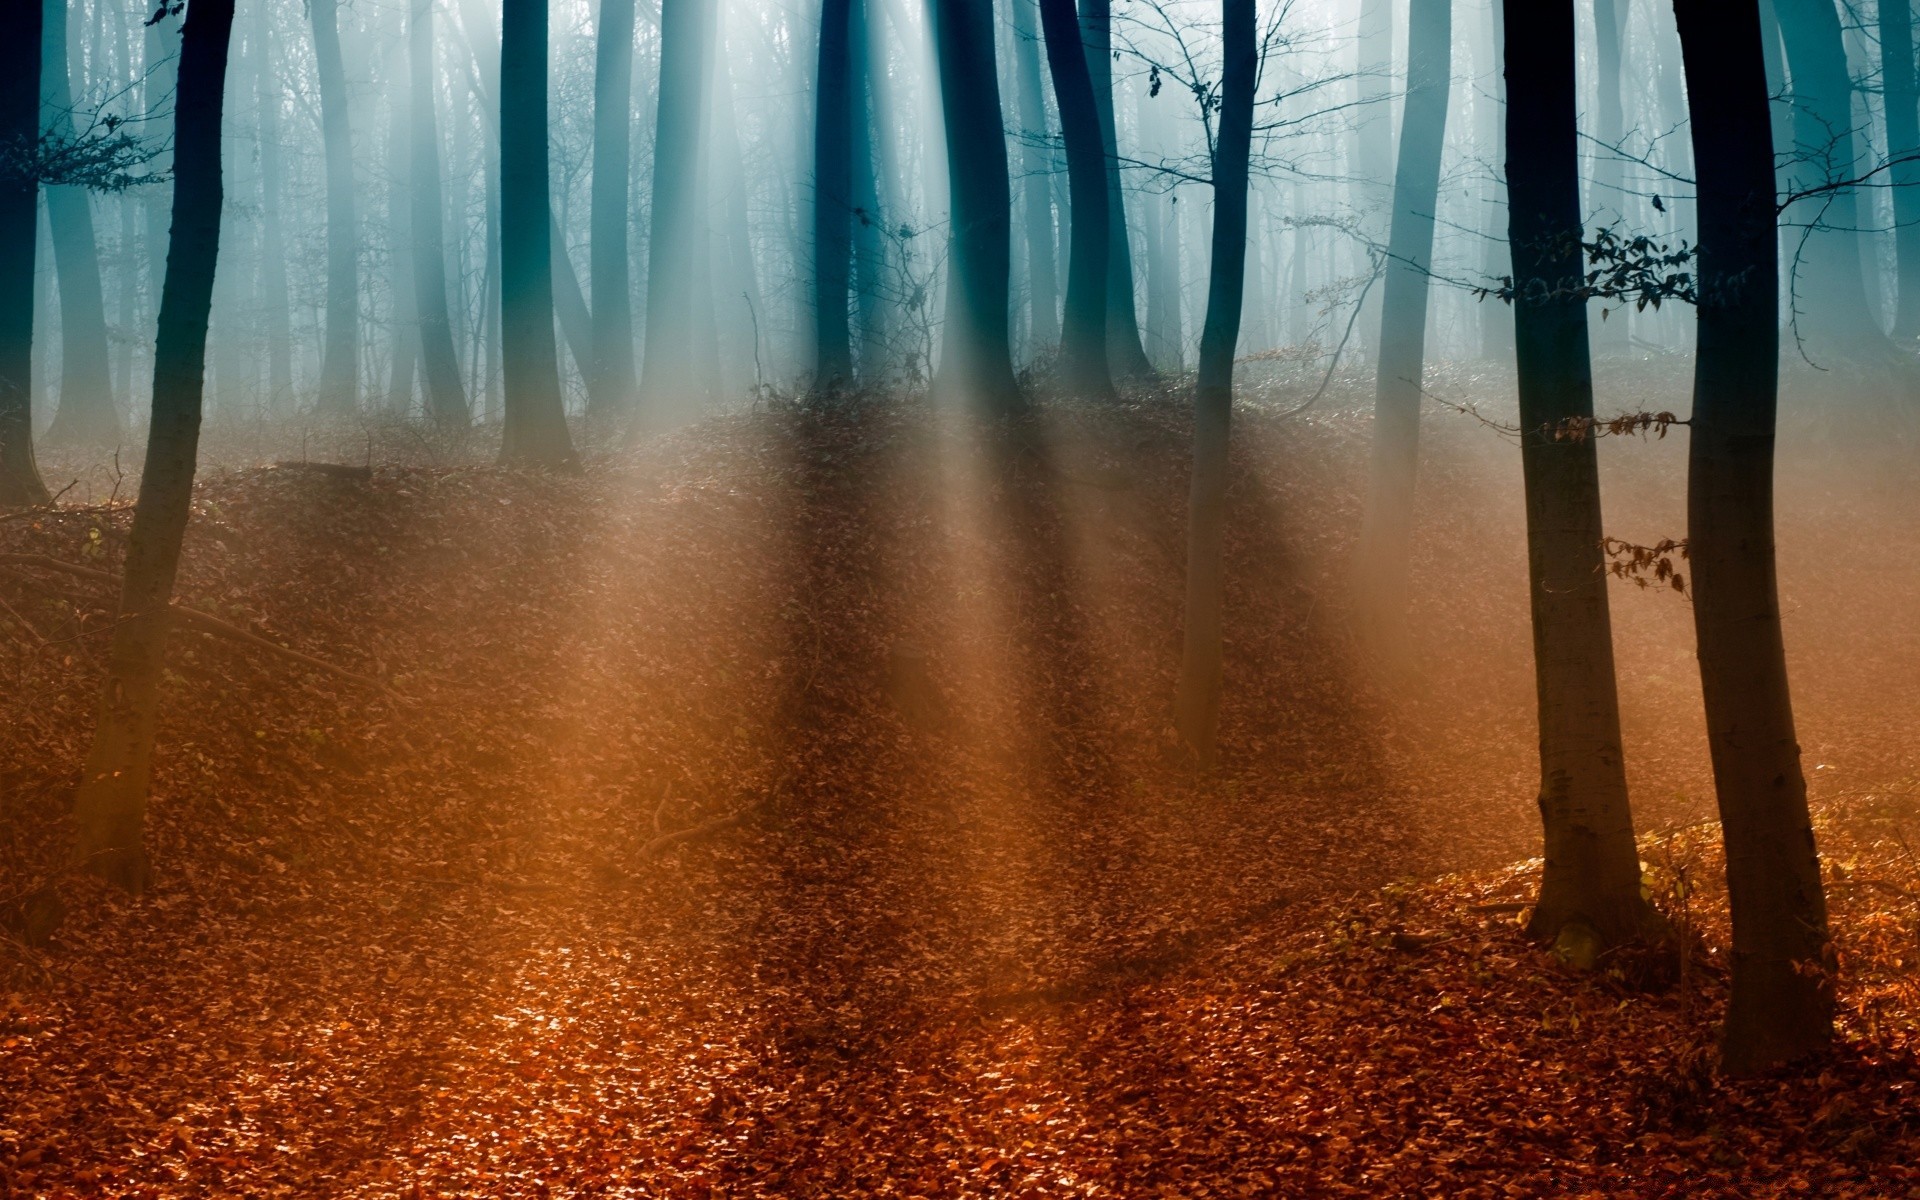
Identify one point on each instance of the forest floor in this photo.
(787, 808)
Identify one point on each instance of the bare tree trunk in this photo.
(1125, 354)
(273, 255)
(440, 363)
(1609, 195)
(87, 414)
(1782, 1003)
(669, 375)
(1386, 536)
(1590, 895)
(19, 241)
(1043, 284)
(611, 382)
(1903, 150)
(976, 353)
(340, 355)
(110, 807)
(833, 117)
(535, 432)
(1083, 343)
(1197, 709)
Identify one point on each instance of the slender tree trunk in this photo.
(1828, 288)
(535, 433)
(1590, 891)
(871, 211)
(1125, 354)
(273, 254)
(1386, 536)
(611, 383)
(833, 196)
(110, 807)
(1496, 329)
(19, 240)
(1043, 284)
(340, 355)
(1083, 343)
(87, 414)
(976, 354)
(440, 362)
(1903, 150)
(668, 373)
(1372, 149)
(1197, 709)
(1782, 1003)
(1609, 196)
(161, 71)
(404, 317)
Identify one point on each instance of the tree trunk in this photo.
(440, 362)
(268, 89)
(1125, 354)
(871, 210)
(1371, 152)
(610, 385)
(86, 414)
(669, 374)
(161, 47)
(1903, 150)
(833, 118)
(535, 432)
(1083, 342)
(110, 808)
(1782, 1002)
(404, 316)
(1608, 200)
(340, 354)
(1590, 891)
(1043, 284)
(1197, 709)
(976, 354)
(1386, 536)
(19, 240)
(1496, 328)
(1828, 289)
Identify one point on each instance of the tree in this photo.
(1782, 1003)
(1125, 353)
(1590, 895)
(535, 430)
(110, 807)
(1387, 531)
(1083, 344)
(833, 195)
(1197, 710)
(268, 90)
(976, 356)
(446, 394)
(668, 373)
(1903, 152)
(1610, 128)
(1036, 194)
(610, 384)
(19, 204)
(340, 354)
(86, 414)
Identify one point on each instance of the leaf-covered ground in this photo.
(956, 919)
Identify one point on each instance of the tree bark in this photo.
(1782, 1003)
(340, 354)
(87, 414)
(19, 241)
(833, 118)
(1903, 150)
(1609, 196)
(1387, 533)
(1083, 342)
(440, 362)
(1197, 709)
(1590, 890)
(274, 302)
(535, 432)
(1043, 283)
(110, 807)
(611, 383)
(669, 375)
(1125, 355)
(976, 354)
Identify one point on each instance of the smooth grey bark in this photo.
(1496, 327)
(669, 374)
(86, 414)
(1036, 196)
(976, 354)
(1083, 342)
(274, 301)
(340, 351)
(535, 430)
(1125, 355)
(611, 383)
(1782, 997)
(1609, 199)
(20, 481)
(1202, 671)
(1903, 151)
(110, 806)
(440, 362)
(1387, 533)
(833, 117)
(1590, 896)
